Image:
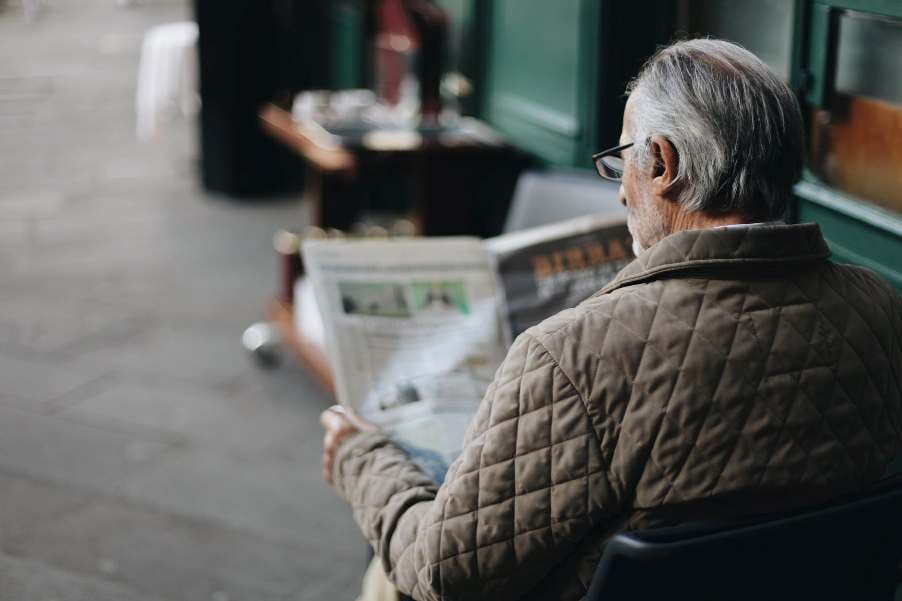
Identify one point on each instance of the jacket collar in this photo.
(754, 244)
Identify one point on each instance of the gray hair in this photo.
(734, 123)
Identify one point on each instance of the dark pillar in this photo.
(239, 71)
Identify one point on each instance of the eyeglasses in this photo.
(609, 163)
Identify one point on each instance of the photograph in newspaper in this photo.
(413, 331)
(548, 269)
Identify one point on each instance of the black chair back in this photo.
(844, 551)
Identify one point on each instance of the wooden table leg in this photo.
(281, 316)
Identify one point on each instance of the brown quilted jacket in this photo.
(726, 371)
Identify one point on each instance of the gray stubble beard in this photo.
(647, 230)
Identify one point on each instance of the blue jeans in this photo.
(429, 461)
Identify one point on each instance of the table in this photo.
(457, 180)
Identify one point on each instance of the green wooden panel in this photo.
(822, 41)
(541, 75)
(799, 78)
(346, 20)
(890, 8)
(857, 233)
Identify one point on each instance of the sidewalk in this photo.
(142, 456)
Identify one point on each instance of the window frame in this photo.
(850, 223)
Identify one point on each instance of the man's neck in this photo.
(683, 220)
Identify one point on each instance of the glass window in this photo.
(764, 27)
(869, 60)
(855, 141)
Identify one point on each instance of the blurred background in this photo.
(160, 161)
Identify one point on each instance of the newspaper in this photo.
(545, 270)
(416, 328)
(413, 331)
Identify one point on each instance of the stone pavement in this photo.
(142, 456)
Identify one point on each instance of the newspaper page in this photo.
(547, 269)
(413, 331)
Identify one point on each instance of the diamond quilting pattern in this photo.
(718, 363)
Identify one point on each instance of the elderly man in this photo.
(730, 369)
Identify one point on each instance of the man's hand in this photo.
(339, 424)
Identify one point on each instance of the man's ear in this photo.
(667, 163)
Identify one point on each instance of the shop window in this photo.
(855, 136)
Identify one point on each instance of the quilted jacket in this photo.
(726, 371)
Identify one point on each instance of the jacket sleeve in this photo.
(529, 485)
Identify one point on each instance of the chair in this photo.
(843, 551)
(167, 76)
(543, 197)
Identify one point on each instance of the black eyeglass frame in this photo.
(601, 165)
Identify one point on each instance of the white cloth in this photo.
(376, 585)
(167, 76)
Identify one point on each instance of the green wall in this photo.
(348, 57)
(540, 85)
(857, 233)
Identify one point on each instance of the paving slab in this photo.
(280, 500)
(44, 326)
(182, 350)
(78, 455)
(27, 503)
(176, 557)
(41, 384)
(201, 416)
(25, 580)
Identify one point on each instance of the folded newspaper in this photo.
(415, 328)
